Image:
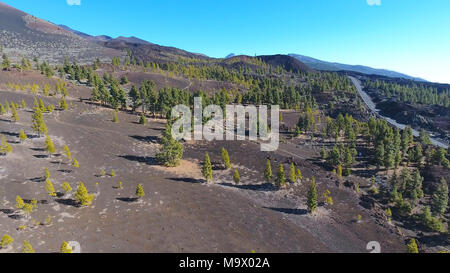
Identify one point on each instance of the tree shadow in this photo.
(9, 134)
(41, 156)
(147, 139)
(65, 171)
(141, 159)
(127, 199)
(187, 180)
(289, 211)
(37, 179)
(68, 202)
(7, 211)
(252, 187)
(38, 149)
(42, 202)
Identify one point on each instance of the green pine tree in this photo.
(49, 147)
(226, 158)
(140, 191)
(292, 174)
(440, 198)
(5, 147)
(236, 177)
(412, 246)
(6, 241)
(38, 124)
(15, 116)
(312, 196)
(27, 248)
(22, 135)
(171, 151)
(63, 104)
(281, 177)
(49, 187)
(207, 168)
(82, 196)
(268, 171)
(65, 248)
(143, 119)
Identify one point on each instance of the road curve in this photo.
(368, 101)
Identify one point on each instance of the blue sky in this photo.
(409, 36)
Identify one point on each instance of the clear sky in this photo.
(408, 36)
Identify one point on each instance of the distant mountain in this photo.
(289, 63)
(230, 55)
(105, 38)
(329, 66)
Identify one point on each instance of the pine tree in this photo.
(15, 116)
(299, 175)
(207, 168)
(5, 147)
(172, 151)
(27, 248)
(65, 248)
(236, 177)
(412, 246)
(292, 174)
(2, 110)
(268, 171)
(49, 188)
(66, 187)
(67, 152)
(124, 80)
(6, 64)
(7, 107)
(135, 97)
(42, 106)
(323, 153)
(143, 119)
(6, 241)
(46, 173)
(63, 104)
(339, 172)
(113, 173)
(75, 163)
(82, 196)
(38, 124)
(281, 178)
(22, 136)
(440, 198)
(19, 202)
(49, 147)
(312, 197)
(424, 137)
(27, 209)
(226, 159)
(379, 155)
(327, 197)
(140, 191)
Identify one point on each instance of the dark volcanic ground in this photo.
(179, 213)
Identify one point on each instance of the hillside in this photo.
(24, 35)
(88, 154)
(286, 62)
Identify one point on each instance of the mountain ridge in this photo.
(334, 66)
